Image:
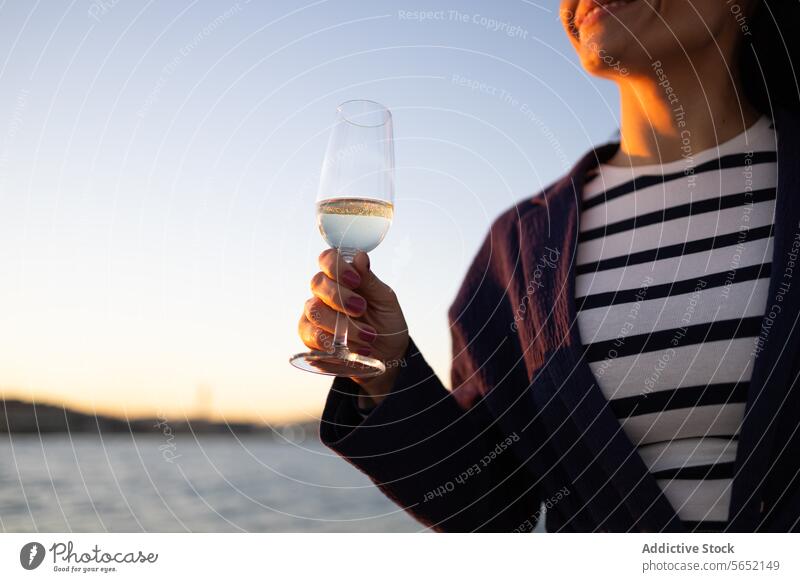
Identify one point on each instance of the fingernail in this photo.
(367, 335)
(356, 304)
(351, 278)
(364, 351)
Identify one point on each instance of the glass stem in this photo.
(340, 331)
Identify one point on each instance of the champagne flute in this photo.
(355, 206)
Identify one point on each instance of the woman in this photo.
(624, 343)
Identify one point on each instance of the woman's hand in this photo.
(376, 328)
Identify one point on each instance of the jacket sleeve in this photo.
(439, 454)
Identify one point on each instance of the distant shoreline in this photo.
(19, 417)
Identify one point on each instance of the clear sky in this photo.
(159, 163)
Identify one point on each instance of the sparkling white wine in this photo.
(354, 223)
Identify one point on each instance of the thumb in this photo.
(371, 287)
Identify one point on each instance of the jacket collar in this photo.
(779, 341)
(615, 457)
(570, 371)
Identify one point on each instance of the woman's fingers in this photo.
(334, 266)
(359, 339)
(320, 314)
(337, 296)
(314, 337)
(371, 287)
(324, 318)
(356, 275)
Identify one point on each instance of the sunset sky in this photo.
(159, 164)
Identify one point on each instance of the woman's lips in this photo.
(600, 9)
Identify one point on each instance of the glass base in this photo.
(342, 363)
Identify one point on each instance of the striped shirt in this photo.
(672, 279)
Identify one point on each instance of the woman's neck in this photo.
(678, 111)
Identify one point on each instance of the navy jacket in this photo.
(527, 423)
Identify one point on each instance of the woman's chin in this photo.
(612, 38)
(620, 40)
(604, 50)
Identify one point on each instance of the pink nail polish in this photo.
(351, 278)
(356, 304)
(367, 335)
